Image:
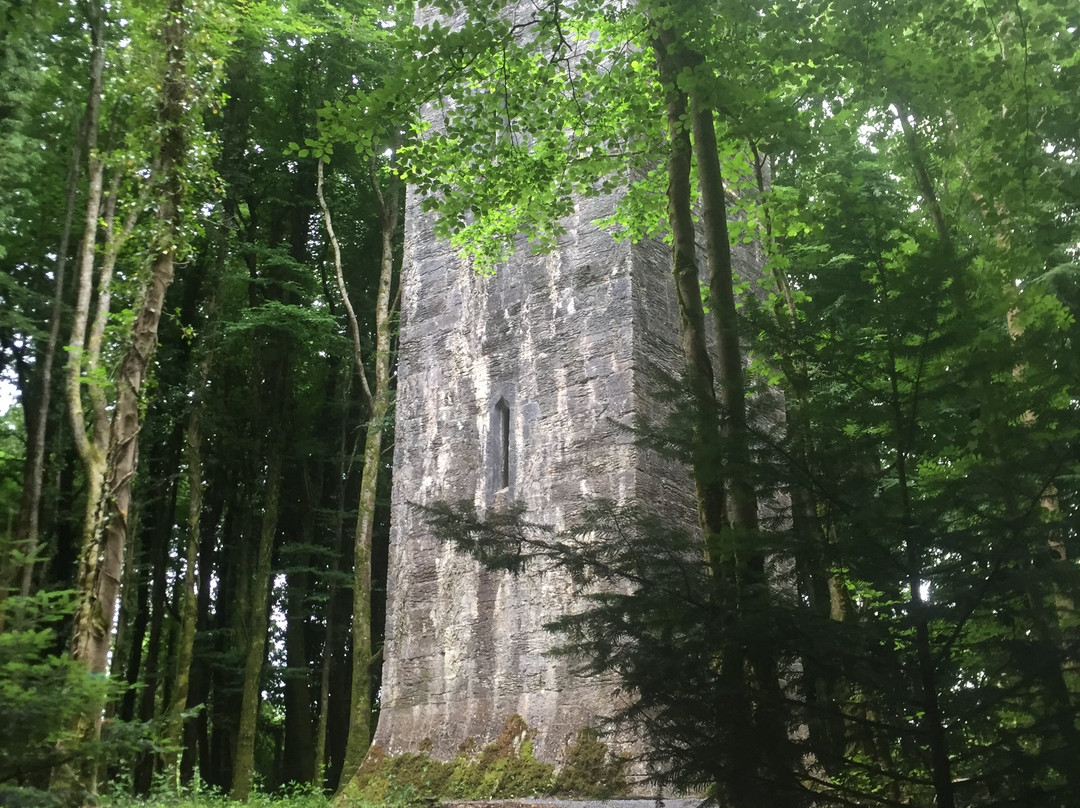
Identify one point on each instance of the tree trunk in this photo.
(88, 618)
(244, 761)
(138, 355)
(736, 774)
(197, 734)
(708, 486)
(922, 176)
(330, 644)
(157, 536)
(185, 645)
(101, 564)
(742, 499)
(28, 526)
(298, 762)
(137, 635)
(91, 624)
(379, 400)
(751, 582)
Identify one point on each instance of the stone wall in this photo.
(552, 339)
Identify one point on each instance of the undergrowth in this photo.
(297, 797)
(505, 769)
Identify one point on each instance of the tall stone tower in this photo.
(511, 388)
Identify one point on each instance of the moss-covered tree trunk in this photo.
(111, 473)
(90, 449)
(746, 563)
(360, 726)
(737, 773)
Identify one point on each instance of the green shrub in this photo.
(590, 771)
(199, 796)
(20, 797)
(42, 692)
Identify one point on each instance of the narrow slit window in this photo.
(502, 425)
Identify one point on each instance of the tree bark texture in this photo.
(750, 578)
(88, 618)
(737, 775)
(110, 456)
(91, 623)
(742, 499)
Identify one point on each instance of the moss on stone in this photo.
(590, 771)
(504, 769)
(399, 779)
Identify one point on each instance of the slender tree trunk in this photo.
(157, 536)
(141, 600)
(185, 645)
(232, 601)
(318, 778)
(379, 401)
(298, 763)
(737, 769)
(197, 733)
(708, 485)
(28, 527)
(92, 620)
(742, 499)
(88, 618)
(922, 176)
(135, 364)
(244, 762)
(751, 579)
(331, 644)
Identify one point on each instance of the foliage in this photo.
(12, 456)
(590, 770)
(41, 689)
(909, 172)
(920, 553)
(201, 796)
(249, 303)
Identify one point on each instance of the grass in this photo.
(297, 798)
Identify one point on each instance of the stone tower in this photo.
(511, 388)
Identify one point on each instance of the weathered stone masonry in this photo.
(556, 350)
(560, 349)
(554, 347)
